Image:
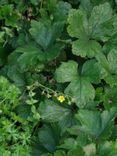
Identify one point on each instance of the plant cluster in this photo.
(58, 78)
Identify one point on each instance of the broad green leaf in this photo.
(83, 48)
(24, 111)
(5, 10)
(86, 5)
(100, 15)
(13, 71)
(49, 137)
(53, 52)
(35, 2)
(13, 20)
(16, 75)
(88, 119)
(111, 44)
(77, 23)
(101, 58)
(82, 90)
(47, 154)
(82, 138)
(66, 72)
(61, 11)
(103, 122)
(10, 15)
(59, 153)
(93, 71)
(52, 112)
(68, 144)
(31, 56)
(111, 80)
(47, 140)
(2, 33)
(45, 33)
(76, 151)
(68, 121)
(112, 60)
(107, 148)
(51, 5)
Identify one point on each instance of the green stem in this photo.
(53, 91)
(64, 41)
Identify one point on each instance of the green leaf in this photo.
(86, 5)
(111, 80)
(61, 12)
(10, 15)
(112, 60)
(111, 44)
(77, 23)
(103, 122)
(51, 5)
(53, 52)
(68, 144)
(52, 112)
(59, 153)
(12, 70)
(82, 90)
(100, 15)
(16, 75)
(47, 140)
(47, 154)
(45, 33)
(68, 121)
(35, 2)
(92, 70)
(76, 151)
(88, 119)
(66, 72)
(83, 48)
(107, 148)
(49, 137)
(31, 56)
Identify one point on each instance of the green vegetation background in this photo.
(58, 78)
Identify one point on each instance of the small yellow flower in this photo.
(61, 98)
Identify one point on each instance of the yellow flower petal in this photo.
(61, 98)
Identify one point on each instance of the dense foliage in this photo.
(58, 78)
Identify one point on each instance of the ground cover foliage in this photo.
(58, 78)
